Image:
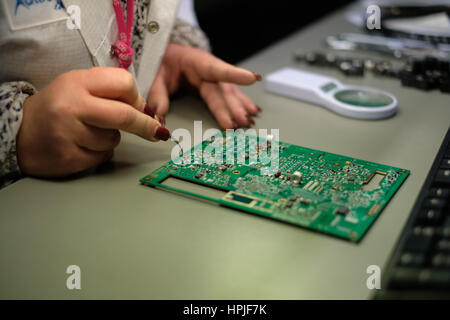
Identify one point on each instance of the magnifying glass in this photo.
(350, 101)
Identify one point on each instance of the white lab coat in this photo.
(48, 48)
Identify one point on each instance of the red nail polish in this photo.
(235, 125)
(257, 76)
(148, 111)
(259, 109)
(252, 122)
(161, 119)
(162, 133)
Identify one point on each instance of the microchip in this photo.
(342, 211)
(240, 198)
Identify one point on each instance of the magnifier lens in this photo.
(363, 98)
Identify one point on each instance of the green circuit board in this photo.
(326, 192)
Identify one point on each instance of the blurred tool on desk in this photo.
(413, 42)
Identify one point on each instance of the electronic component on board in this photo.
(321, 191)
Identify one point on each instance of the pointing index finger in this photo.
(212, 69)
(112, 114)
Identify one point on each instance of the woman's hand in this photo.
(73, 124)
(215, 81)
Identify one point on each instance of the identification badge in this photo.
(24, 14)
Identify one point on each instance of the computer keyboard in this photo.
(420, 264)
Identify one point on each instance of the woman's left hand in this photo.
(215, 80)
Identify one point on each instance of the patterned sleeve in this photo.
(12, 96)
(188, 35)
(182, 32)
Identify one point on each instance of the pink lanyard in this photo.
(122, 48)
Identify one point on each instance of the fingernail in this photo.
(161, 119)
(148, 111)
(235, 125)
(162, 133)
(257, 76)
(252, 122)
(258, 108)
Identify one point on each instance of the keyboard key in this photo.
(439, 193)
(434, 279)
(405, 278)
(418, 243)
(443, 245)
(443, 176)
(445, 164)
(435, 203)
(420, 278)
(428, 231)
(409, 259)
(445, 230)
(441, 260)
(430, 216)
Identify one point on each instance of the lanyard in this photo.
(122, 48)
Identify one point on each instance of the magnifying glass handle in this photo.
(349, 101)
(301, 84)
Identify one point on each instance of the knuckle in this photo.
(240, 115)
(74, 162)
(64, 78)
(144, 130)
(205, 89)
(125, 118)
(63, 82)
(60, 116)
(228, 74)
(57, 113)
(227, 89)
(226, 123)
(94, 72)
(210, 70)
(66, 158)
(68, 76)
(65, 110)
(127, 80)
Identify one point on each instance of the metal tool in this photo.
(399, 48)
